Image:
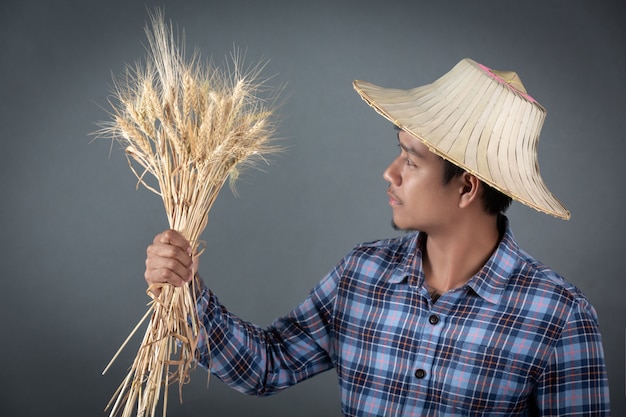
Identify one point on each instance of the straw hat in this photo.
(479, 119)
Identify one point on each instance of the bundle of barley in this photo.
(191, 127)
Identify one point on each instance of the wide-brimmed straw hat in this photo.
(479, 119)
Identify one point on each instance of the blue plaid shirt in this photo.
(516, 340)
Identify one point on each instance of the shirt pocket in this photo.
(478, 379)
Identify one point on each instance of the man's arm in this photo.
(248, 358)
(575, 381)
(259, 361)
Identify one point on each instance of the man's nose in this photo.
(392, 173)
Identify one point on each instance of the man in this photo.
(452, 320)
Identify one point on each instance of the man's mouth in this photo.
(393, 200)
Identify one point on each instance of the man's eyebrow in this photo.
(408, 149)
(411, 151)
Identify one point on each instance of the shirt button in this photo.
(434, 319)
(420, 373)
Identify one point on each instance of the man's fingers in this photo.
(169, 259)
(155, 263)
(162, 251)
(174, 238)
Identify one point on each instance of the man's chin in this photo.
(399, 228)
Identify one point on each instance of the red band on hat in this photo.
(503, 81)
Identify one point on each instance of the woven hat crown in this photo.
(479, 119)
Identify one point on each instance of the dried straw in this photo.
(191, 127)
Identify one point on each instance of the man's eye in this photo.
(407, 161)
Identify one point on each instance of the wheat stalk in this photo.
(190, 127)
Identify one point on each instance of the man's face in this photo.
(417, 195)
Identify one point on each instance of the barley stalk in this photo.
(189, 127)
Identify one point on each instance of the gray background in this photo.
(74, 229)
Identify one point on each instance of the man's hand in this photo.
(169, 261)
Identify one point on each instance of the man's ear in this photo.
(469, 189)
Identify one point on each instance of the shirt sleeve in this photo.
(259, 361)
(575, 381)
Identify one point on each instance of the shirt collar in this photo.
(410, 266)
(489, 283)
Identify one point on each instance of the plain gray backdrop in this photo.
(75, 229)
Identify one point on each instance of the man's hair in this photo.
(493, 200)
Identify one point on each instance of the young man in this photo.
(453, 319)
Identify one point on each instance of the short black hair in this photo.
(494, 201)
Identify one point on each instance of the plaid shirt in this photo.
(516, 340)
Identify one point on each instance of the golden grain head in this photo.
(190, 107)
